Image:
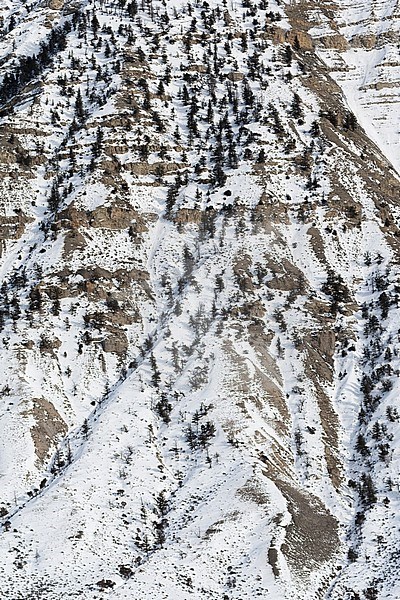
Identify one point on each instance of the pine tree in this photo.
(287, 55)
(367, 490)
(55, 199)
(79, 110)
(350, 121)
(95, 25)
(262, 157)
(85, 428)
(164, 408)
(191, 437)
(218, 175)
(315, 129)
(155, 375)
(207, 431)
(361, 445)
(162, 504)
(132, 8)
(295, 108)
(35, 299)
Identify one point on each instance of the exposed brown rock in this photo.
(13, 227)
(287, 277)
(119, 215)
(241, 267)
(73, 241)
(317, 244)
(335, 41)
(47, 345)
(188, 215)
(48, 427)
(116, 342)
(321, 347)
(198, 68)
(312, 538)
(56, 4)
(318, 368)
(252, 310)
(235, 76)
(297, 38)
(367, 41)
(269, 212)
(157, 168)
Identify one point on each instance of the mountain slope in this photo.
(199, 308)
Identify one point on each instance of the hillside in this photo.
(200, 300)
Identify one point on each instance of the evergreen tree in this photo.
(155, 373)
(350, 121)
(95, 24)
(287, 55)
(295, 108)
(35, 299)
(367, 490)
(79, 110)
(55, 199)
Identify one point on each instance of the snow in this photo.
(226, 322)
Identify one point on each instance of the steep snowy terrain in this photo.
(200, 301)
(360, 44)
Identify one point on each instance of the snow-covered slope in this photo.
(199, 308)
(359, 42)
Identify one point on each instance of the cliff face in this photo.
(359, 42)
(199, 309)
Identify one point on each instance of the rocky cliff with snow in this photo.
(199, 310)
